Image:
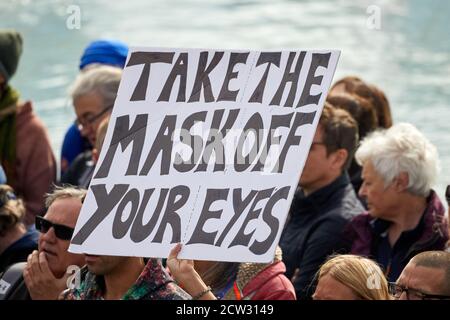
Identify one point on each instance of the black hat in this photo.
(10, 51)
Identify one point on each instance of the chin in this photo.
(92, 267)
(375, 213)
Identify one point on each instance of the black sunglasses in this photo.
(62, 232)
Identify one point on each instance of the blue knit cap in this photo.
(110, 52)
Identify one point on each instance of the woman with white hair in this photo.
(405, 216)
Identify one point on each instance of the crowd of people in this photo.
(364, 224)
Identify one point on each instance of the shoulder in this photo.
(270, 284)
(30, 129)
(12, 284)
(27, 118)
(350, 205)
(83, 281)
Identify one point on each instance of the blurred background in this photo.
(399, 45)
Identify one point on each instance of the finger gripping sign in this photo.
(204, 147)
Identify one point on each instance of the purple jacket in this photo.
(360, 233)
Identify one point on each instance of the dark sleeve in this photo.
(76, 169)
(349, 235)
(12, 284)
(20, 292)
(325, 240)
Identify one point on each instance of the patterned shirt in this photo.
(154, 283)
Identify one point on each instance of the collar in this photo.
(319, 198)
(28, 240)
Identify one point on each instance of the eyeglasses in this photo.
(412, 294)
(62, 232)
(90, 120)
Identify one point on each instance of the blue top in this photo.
(19, 250)
(73, 145)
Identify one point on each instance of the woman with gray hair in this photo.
(405, 216)
(93, 95)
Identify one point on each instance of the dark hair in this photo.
(436, 260)
(359, 109)
(12, 209)
(372, 94)
(340, 131)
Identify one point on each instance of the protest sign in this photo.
(204, 147)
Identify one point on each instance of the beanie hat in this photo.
(10, 51)
(110, 52)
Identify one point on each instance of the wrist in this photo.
(202, 293)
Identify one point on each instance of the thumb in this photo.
(44, 267)
(175, 251)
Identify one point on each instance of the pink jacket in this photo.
(257, 281)
(270, 284)
(35, 162)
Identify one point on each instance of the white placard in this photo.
(204, 147)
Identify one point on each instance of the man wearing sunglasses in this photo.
(46, 271)
(425, 277)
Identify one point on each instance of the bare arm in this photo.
(187, 277)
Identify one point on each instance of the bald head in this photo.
(439, 260)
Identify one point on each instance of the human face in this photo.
(65, 212)
(90, 112)
(317, 172)
(380, 199)
(421, 281)
(329, 288)
(103, 265)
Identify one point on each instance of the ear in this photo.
(401, 182)
(339, 158)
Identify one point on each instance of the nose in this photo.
(49, 236)
(362, 191)
(85, 129)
